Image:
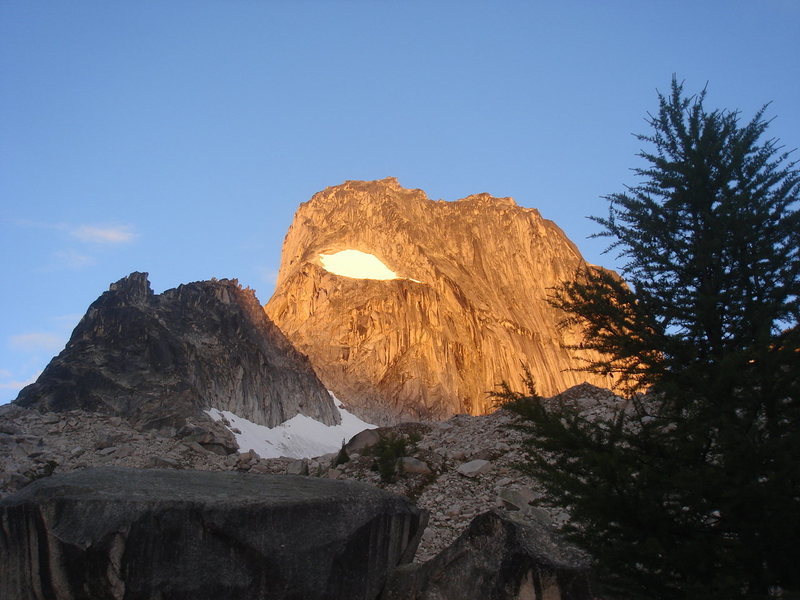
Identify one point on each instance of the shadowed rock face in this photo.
(160, 358)
(500, 558)
(467, 310)
(126, 533)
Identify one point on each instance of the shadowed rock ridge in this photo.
(467, 310)
(157, 359)
(497, 557)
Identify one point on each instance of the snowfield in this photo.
(356, 265)
(299, 437)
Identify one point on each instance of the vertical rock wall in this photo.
(467, 311)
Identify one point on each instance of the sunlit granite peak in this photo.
(393, 348)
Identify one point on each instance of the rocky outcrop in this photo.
(497, 557)
(35, 444)
(125, 533)
(465, 309)
(158, 359)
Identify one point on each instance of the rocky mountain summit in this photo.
(160, 359)
(448, 299)
(410, 310)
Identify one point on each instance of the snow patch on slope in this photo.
(356, 265)
(299, 437)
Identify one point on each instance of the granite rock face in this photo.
(157, 359)
(467, 308)
(500, 558)
(128, 534)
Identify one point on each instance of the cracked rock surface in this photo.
(468, 305)
(138, 533)
(157, 359)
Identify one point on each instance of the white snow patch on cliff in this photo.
(356, 265)
(299, 437)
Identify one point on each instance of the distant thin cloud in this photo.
(10, 386)
(17, 385)
(73, 259)
(67, 322)
(96, 234)
(35, 341)
(268, 275)
(117, 234)
(36, 224)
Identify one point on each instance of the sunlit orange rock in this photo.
(466, 309)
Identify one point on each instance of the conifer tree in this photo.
(693, 489)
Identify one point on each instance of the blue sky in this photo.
(178, 138)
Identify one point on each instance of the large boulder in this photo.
(497, 558)
(129, 534)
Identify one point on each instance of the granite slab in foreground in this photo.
(133, 534)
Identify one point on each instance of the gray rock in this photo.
(161, 462)
(409, 464)
(362, 440)
(107, 442)
(12, 411)
(157, 359)
(246, 460)
(474, 468)
(114, 533)
(500, 558)
(518, 499)
(222, 450)
(212, 436)
(196, 447)
(124, 452)
(13, 480)
(9, 428)
(489, 453)
(297, 467)
(456, 455)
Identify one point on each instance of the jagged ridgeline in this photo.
(160, 358)
(450, 301)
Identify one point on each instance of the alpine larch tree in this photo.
(692, 488)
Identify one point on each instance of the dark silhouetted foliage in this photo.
(342, 457)
(387, 452)
(693, 489)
